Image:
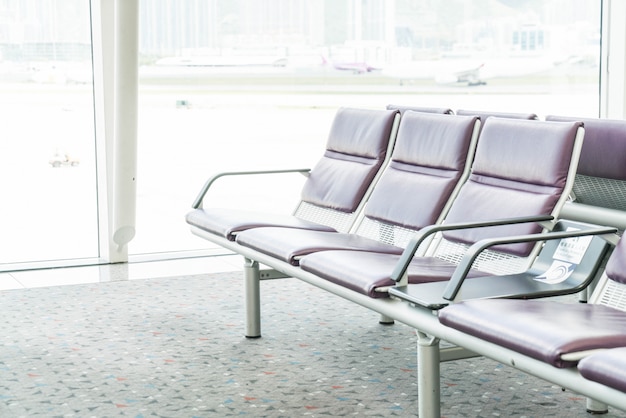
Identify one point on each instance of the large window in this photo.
(245, 85)
(47, 142)
(249, 84)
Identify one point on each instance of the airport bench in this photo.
(430, 159)
(544, 211)
(545, 338)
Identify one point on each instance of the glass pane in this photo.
(47, 160)
(235, 85)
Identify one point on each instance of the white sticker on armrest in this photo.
(558, 272)
(572, 249)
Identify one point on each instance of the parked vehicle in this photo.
(61, 159)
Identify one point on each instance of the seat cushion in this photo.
(520, 169)
(364, 272)
(603, 149)
(356, 149)
(339, 182)
(227, 222)
(289, 244)
(428, 160)
(607, 367)
(544, 330)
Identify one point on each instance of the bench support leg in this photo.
(595, 407)
(385, 320)
(428, 376)
(252, 290)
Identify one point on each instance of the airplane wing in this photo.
(471, 76)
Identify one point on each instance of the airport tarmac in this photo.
(188, 131)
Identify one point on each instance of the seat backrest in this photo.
(430, 160)
(423, 109)
(599, 191)
(521, 168)
(484, 114)
(359, 142)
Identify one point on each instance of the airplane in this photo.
(471, 77)
(356, 67)
(442, 72)
(469, 72)
(224, 61)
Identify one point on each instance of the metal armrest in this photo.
(197, 203)
(416, 241)
(460, 274)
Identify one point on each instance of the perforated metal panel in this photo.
(613, 295)
(341, 221)
(489, 261)
(389, 234)
(595, 191)
(493, 262)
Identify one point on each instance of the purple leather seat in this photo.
(606, 367)
(599, 197)
(369, 273)
(601, 176)
(520, 169)
(546, 329)
(427, 162)
(228, 222)
(355, 151)
(484, 115)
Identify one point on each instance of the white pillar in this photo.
(125, 126)
(103, 24)
(613, 83)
